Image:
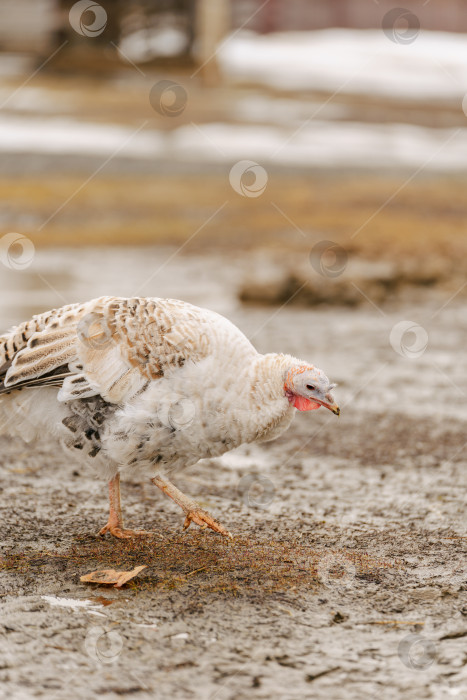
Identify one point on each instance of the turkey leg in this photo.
(193, 511)
(115, 522)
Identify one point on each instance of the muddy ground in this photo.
(347, 574)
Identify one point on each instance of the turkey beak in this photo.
(326, 400)
(331, 404)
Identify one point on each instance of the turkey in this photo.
(147, 386)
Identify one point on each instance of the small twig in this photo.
(196, 571)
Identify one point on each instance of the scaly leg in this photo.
(115, 522)
(192, 510)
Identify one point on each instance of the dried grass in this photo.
(206, 562)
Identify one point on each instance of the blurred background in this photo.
(300, 167)
(296, 165)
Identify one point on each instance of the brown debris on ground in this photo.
(209, 563)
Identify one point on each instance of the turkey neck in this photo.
(271, 412)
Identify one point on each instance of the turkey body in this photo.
(147, 385)
(86, 378)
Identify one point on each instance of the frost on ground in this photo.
(348, 569)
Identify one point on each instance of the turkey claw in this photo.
(204, 520)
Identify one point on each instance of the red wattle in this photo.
(304, 404)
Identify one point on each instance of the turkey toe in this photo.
(122, 533)
(204, 520)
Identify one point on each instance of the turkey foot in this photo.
(193, 511)
(115, 522)
(122, 533)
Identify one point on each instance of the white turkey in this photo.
(148, 385)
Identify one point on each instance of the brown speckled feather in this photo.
(110, 346)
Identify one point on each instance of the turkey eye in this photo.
(310, 387)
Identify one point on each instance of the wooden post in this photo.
(212, 25)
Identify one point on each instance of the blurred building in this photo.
(295, 15)
(192, 28)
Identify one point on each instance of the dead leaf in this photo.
(110, 576)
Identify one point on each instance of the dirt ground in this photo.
(347, 574)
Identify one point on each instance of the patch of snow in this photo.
(318, 143)
(434, 65)
(313, 144)
(33, 135)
